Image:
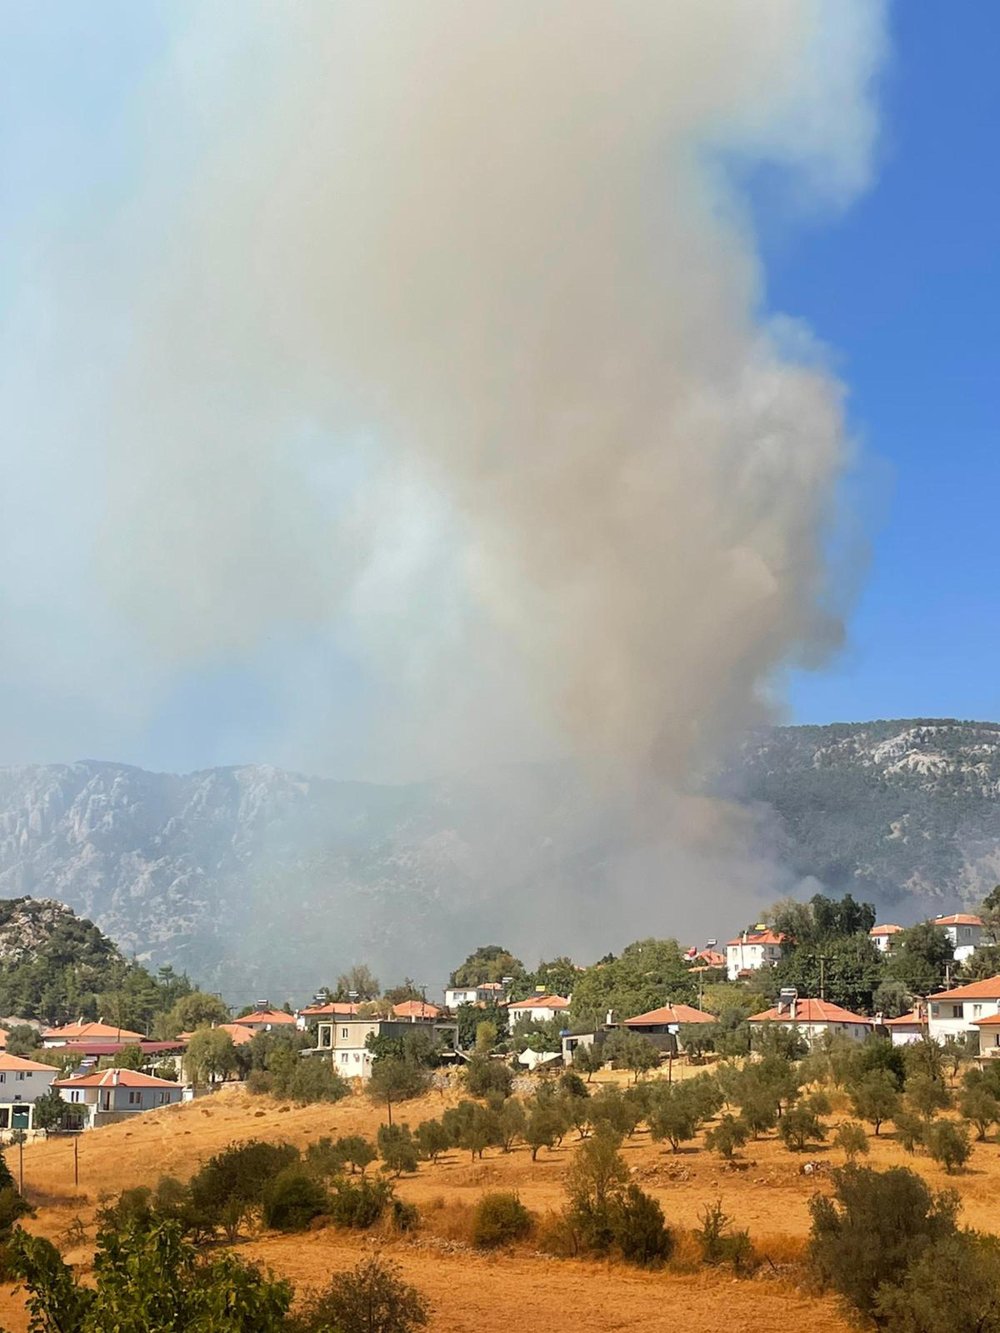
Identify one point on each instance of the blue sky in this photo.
(905, 288)
(902, 288)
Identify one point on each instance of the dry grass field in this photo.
(470, 1291)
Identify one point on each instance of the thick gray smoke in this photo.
(484, 269)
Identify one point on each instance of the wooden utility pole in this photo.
(76, 1162)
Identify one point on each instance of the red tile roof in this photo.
(332, 1009)
(415, 1009)
(240, 1035)
(541, 1002)
(266, 1016)
(15, 1064)
(912, 1019)
(992, 1021)
(90, 1032)
(670, 1013)
(810, 1011)
(975, 990)
(957, 919)
(114, 1078)
(757, 937)
(888, 929)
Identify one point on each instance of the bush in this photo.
(358, 1152)
(500, 1218)
(359, 1205)
(292, 1200)
(953, 1286)
(726, 1136)
(235, 1179)
(431, 1139)
(395, 1079)
(851, 1137)
(909, 1130)
(260, 1083)
(799, 1127)
(315, 1080)
(977, 1104)
(948, 1144)
(405, 1216)
(638, 1228)
(372, 1298)
(572, 1084)
(484, 1076)
(876, 1224)
(397, 1149)
(324, 1158)
(719, 1243)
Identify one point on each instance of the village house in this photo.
(538, 1008)
(906, 1029)
(705, 960)
(486, 992)
(415, 1010)
(71, 1034)
(22, 1082)
(964, 931)
(884, 937)
(345, 1040)
(751, 951)
(313, 1013)
(952, 1013)
(661, 1025)
(265, 1020)
(989, 1036)
(814, 1018)
(109, 1095)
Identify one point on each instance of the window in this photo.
(164, 1098)
(76, 1095)
(20, 1077)
(956, 1011)
(3, 1078)
(134, 1097)
(977, 1010)
(344, 1034)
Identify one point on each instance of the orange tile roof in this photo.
(240, 1035)
(975, 990)
(4, 1034)
(266, 1016)
(90, 1032)
(14, 1064)
(957, 919)
(333, 1008)
(992, 1021)
(114, 1078)
(810, 1011)
(670, 1013)
(415, 1009)
(888, 929)
(541, 1002)
(757, 937)
(912, 1019)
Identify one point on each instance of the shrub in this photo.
(876, 1224)
(292, 1199)
(572, 1084)
(239, 1173)
(638, 1228)
(405, 1216)
(359, 1205)
(358, 1152)
(259, 1083)
(851, 1137)
(397, 1149)
(483, 1076)
(948, 1144)
(431, 1139)
(372, 1298)
(500, 1218)
(316, 1080)
(719, 1243)
(799, 1127)
(596, 1178)
(953, 1285)
(324, 1158)
(395, 1079)
(728, 1135)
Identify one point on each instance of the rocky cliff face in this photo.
(259, 880)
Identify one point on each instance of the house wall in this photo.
(25, 1085)
(812, 1031)
(952, 1018)
(749, 957)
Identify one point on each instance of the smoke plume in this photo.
(448, 320)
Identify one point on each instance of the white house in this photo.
(952, 1013)
(109, 1095)
(345, 1040)
(965, 933)
(71, 1034)
(989, 1036)
(815, 1018)
(264, 1020)
(539, 1008)
(22, 1082)
(753, 949)
(486, 992)
(884, 937)
(906, 1029)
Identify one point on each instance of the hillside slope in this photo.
(258, 879)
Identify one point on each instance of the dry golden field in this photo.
(471, 1291)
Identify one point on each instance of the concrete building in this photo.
(73, 1033)
(989, 1036)
(345, 1040)
(486, 992)
(815, 1018)
(884, 937)
(965, 932)
(952, 1013)
(264, 1020)
(22, 1082)
(752, 950)
(538, 1008)
(110, 1095)
(906, 1029)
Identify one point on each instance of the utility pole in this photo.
(76, 1162)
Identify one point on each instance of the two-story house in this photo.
(538, 1008)
(753, 949)
(815, 1018)
(22, 1082)
(109, 1095)
(884, 937)
(486, 992)
(952, 1013)
(345, 1040)
(964, 931)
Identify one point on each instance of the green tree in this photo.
(926, 1095)
(876, 1224)
(49, 1110)
(544, 1127)
(948, 1144)
(799, 1127)
(891, 999)
(647, 974)
(595, 1179)
(588, 1059)
(484, 1076)
(211, 1055)
(977, 1103)
(358, 1152)
(292, 1199)
(672, 1114)
(397, 1148)
(358, 982)
(875, 1098)
(129, 1057)
(431, 1139)
(919, 958)
(632, 1051)
(199, 1009)
(726, 1136)
(953, 1285)
(851, 1139)
(371, 1298)
(395, 1080)
(490, 962)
